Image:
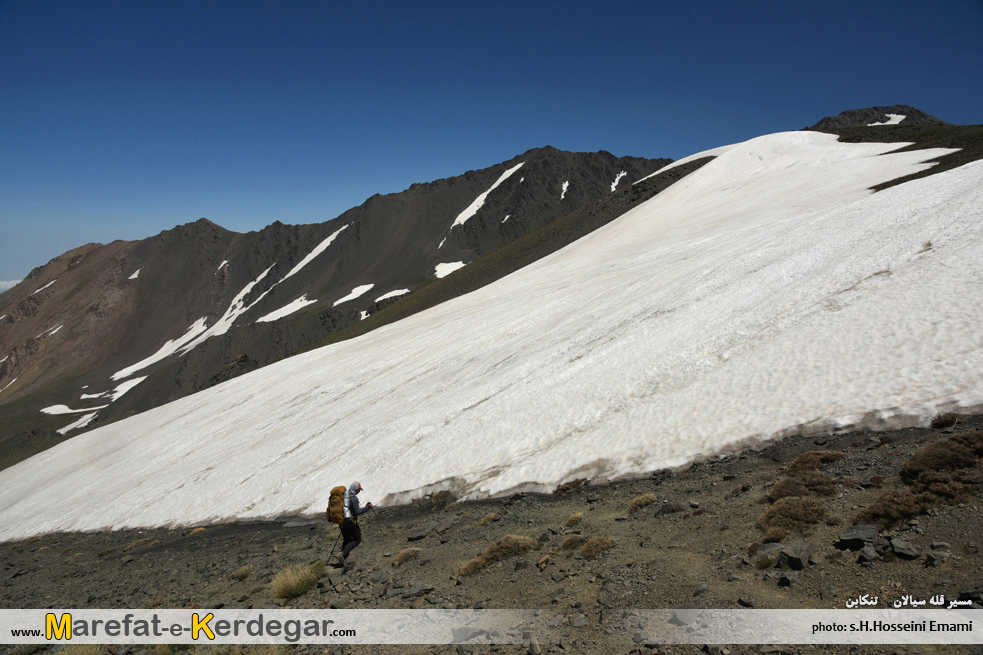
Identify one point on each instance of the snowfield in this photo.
(767, 293)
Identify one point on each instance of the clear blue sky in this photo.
(122, 119)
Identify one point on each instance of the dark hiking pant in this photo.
(351, 535)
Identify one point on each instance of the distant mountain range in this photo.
(198, 304)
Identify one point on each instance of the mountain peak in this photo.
(872, 116)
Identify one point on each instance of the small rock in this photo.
(417, 591)
(534, 648)
(579, 621)
(422, 531)
(745, 602)
(828, 593)
(936, 558)
(702, 590)
(940, 545)
(787, 578)
(557, 576)
(341, 603)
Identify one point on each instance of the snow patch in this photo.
(236, 309)
(506, 217)
(64, 409)
(135, 275)
(321, 247)
(392, 294)
(745, 302)
(50, 331)
(3, 317)
(224, 262)
(365, 315)
(8, 385)
(194, 330)
(892, 119)
(81, 423)
(480, 200)
(286, 310)
(443, 270)
(45, 286)
(566, 185)
(614, 185)
(356, 292)
(123, 388)
(441, 243)
(4, 359)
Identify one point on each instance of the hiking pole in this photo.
(335, 546)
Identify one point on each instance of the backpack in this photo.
(336, 505)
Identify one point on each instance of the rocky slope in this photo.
(877, 116)
(694, 540)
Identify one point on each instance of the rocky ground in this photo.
(693, 541)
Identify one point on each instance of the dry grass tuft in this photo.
(574, 519)
(138, 542)
(508, 546)
(196, 531)
(406, 555)
(814, 460)
(490, 518)
(297, 580)
(639, 502)
(794, 514)
(243, 573)
(596, 546)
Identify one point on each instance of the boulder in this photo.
(857, 537)
(904, 549)
(796, 554)
(868, 554)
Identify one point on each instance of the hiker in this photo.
(350, 532)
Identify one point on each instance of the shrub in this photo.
(945, 420)
(773, 534)
(574, 519)
(804, 483)
(573, 541)
(596, 546)
(793, 514)
(406, 555)
(508, 546)
(895, 506)
(242, 573)
(957, 452)
(814, 460)
(639, 502)
(297, 580)
(566, 487)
